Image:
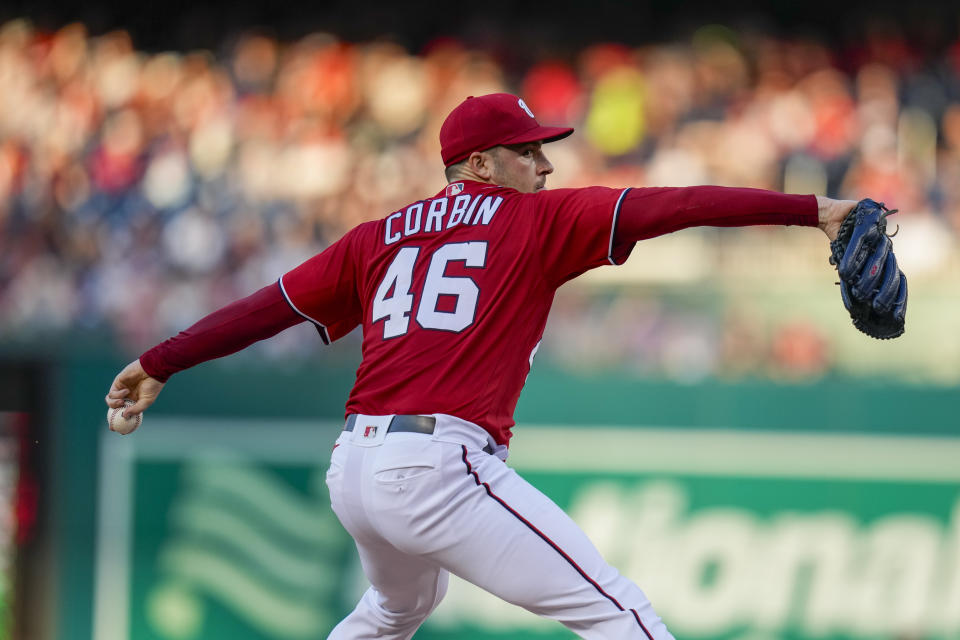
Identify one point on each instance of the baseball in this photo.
(121, 425)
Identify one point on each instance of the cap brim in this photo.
(537, 134)
(541, 134)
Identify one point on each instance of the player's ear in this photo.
(481, 163)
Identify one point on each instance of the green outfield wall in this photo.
(745, 510)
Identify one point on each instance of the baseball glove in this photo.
(872, 287)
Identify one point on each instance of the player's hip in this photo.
(404, 485)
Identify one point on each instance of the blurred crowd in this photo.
(140, 191)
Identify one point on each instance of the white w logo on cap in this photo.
(523, 105)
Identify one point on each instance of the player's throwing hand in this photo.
(133, 383)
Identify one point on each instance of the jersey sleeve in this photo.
(325, 288)
(574, 231)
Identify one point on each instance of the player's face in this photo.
(523, 167)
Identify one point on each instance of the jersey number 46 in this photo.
(394, 301)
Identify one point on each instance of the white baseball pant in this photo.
(419, 506)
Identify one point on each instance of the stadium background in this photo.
(706, 412)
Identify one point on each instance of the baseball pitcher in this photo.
(453, 293)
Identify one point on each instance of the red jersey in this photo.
(453, 294)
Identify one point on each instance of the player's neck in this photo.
(468, 174)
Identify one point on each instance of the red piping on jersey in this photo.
(322, 328)
(553, 545)
(613, 227)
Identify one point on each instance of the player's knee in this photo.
(416, 610)
(428, 603)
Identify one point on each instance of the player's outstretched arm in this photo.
(873, 288)
(654, 211)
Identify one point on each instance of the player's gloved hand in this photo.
(872, 287)
(133, 383)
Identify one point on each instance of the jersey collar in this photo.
(461, 186)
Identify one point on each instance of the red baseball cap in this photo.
(482, 122)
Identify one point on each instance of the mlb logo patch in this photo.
(454, 189)
(370, 431)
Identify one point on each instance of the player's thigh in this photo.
(515, 542)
